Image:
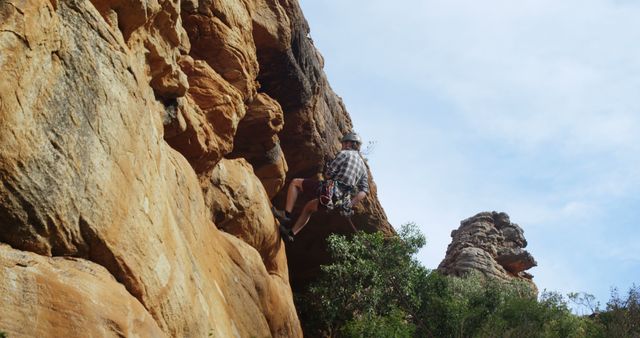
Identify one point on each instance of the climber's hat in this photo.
(351, 137)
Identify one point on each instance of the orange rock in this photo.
(64, 297)
(240, 206)
(263, 120)
(211, 111)
(154, 31)
(86, 173)
(490, 244)
(273, 292)
(220, 32)
(271, 24)
(272, 170)
(91, 90)
(257, 141)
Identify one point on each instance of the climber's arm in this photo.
(358, 197)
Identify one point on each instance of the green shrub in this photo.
(547, 317)
(622, 316)
(372, 277)
(376, 288)
(394, 324)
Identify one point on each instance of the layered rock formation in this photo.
(490, 244)
(140, 145)
(39, 291)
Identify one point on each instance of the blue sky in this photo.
(529, 107)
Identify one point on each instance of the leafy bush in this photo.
(377, 288)
(622, 316)
(460, 307)
(373, 277)
(394, 324)
(547, 317)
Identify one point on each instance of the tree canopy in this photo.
(375, 287)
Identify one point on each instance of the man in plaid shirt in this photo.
(347, 170)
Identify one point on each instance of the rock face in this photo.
(39, 287)
(141, 144)
(490, 244)
(315, 119)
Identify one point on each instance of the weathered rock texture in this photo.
(39, 290)
(131, 133)
(490, 244)
(314, 121)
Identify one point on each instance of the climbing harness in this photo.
(336, 195)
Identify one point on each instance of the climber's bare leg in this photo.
(303, 219)
(295, 188)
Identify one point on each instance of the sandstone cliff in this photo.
(490, 244)
(141, 144)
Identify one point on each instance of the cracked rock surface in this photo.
(142, 144)
(490, 244)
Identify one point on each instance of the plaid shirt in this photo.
(348, 167)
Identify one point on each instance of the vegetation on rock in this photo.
(377, 288)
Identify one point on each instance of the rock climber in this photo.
(346, 173)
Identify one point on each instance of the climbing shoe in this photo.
(281, 216)
(286, 234)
